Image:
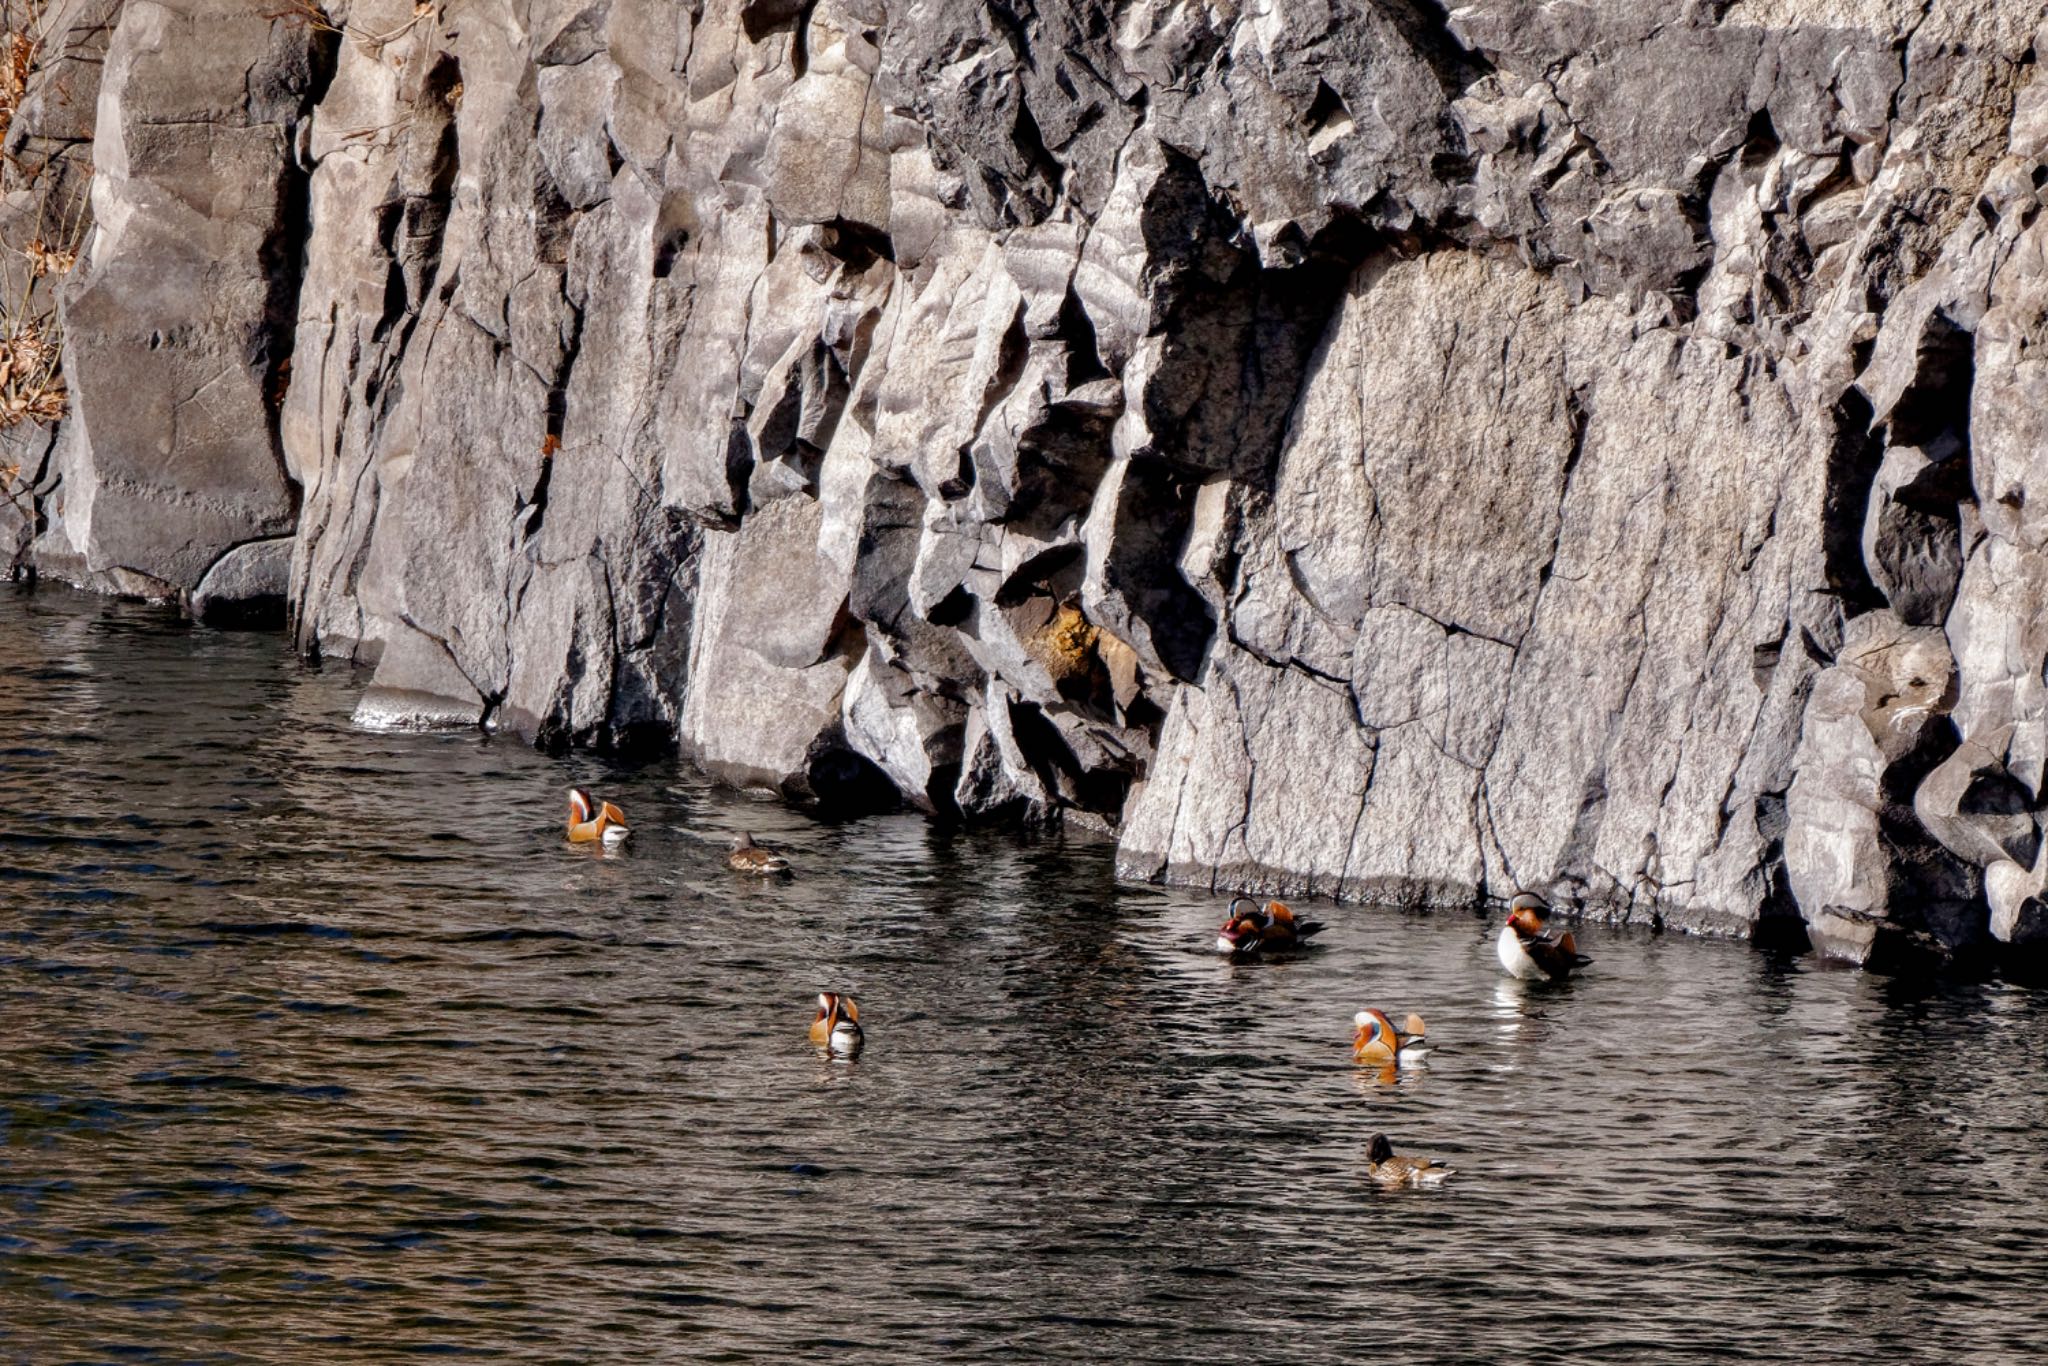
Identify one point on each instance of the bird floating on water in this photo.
(836, 1027)
(749, 857)
(1378, 1044)
(594, 821)
(1529, 951)
(1389, 1169)
(1255, 930)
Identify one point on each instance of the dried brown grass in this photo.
(31, 374)
(311, 12)
(32, 387)
(17, 60)
(307, 12)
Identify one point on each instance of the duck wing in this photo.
(1402, 1170)
(1555, 958)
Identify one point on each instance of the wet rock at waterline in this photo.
(247, 586)
(1364, 452)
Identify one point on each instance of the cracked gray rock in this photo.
(1362, 451)
(177, 321)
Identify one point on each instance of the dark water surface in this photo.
(323, 1046)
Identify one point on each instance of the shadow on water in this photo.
(324, 1043)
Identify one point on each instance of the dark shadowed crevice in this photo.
(1061, 459)
(1059, 769)
(952, 610)
(1580, 416)
(538, 499)
(1779, 927)
(1425, 26)
(859, 245)
(284, 261)
(1327, 113)
(1853, 458)
(1077, 329)
(1937, 402)
(1760, 141)
(1912, 540)
(842, 784)
(759, 18)
(1154, 512)
(1935, 899)
(1055, 572)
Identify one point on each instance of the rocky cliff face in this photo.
(1356, 448)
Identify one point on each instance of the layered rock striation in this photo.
(1360, 449)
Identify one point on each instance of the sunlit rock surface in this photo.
(1361, 449)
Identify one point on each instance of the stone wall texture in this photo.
(1351, 447)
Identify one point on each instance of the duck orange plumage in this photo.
(591, 821)
(836, 1026)
(1377, 1043)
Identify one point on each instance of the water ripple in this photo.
(321, 1043)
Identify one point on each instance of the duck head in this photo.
(581, 808)
(1241, 932)
(1529, 914)
(741, 841)
(1380, 1150)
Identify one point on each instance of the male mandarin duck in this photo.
(1378, 1044)
(1529, 951)
(1391, 1170)
(836, 1027)
(749, 857)
(600, 821)
(1253, 931)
